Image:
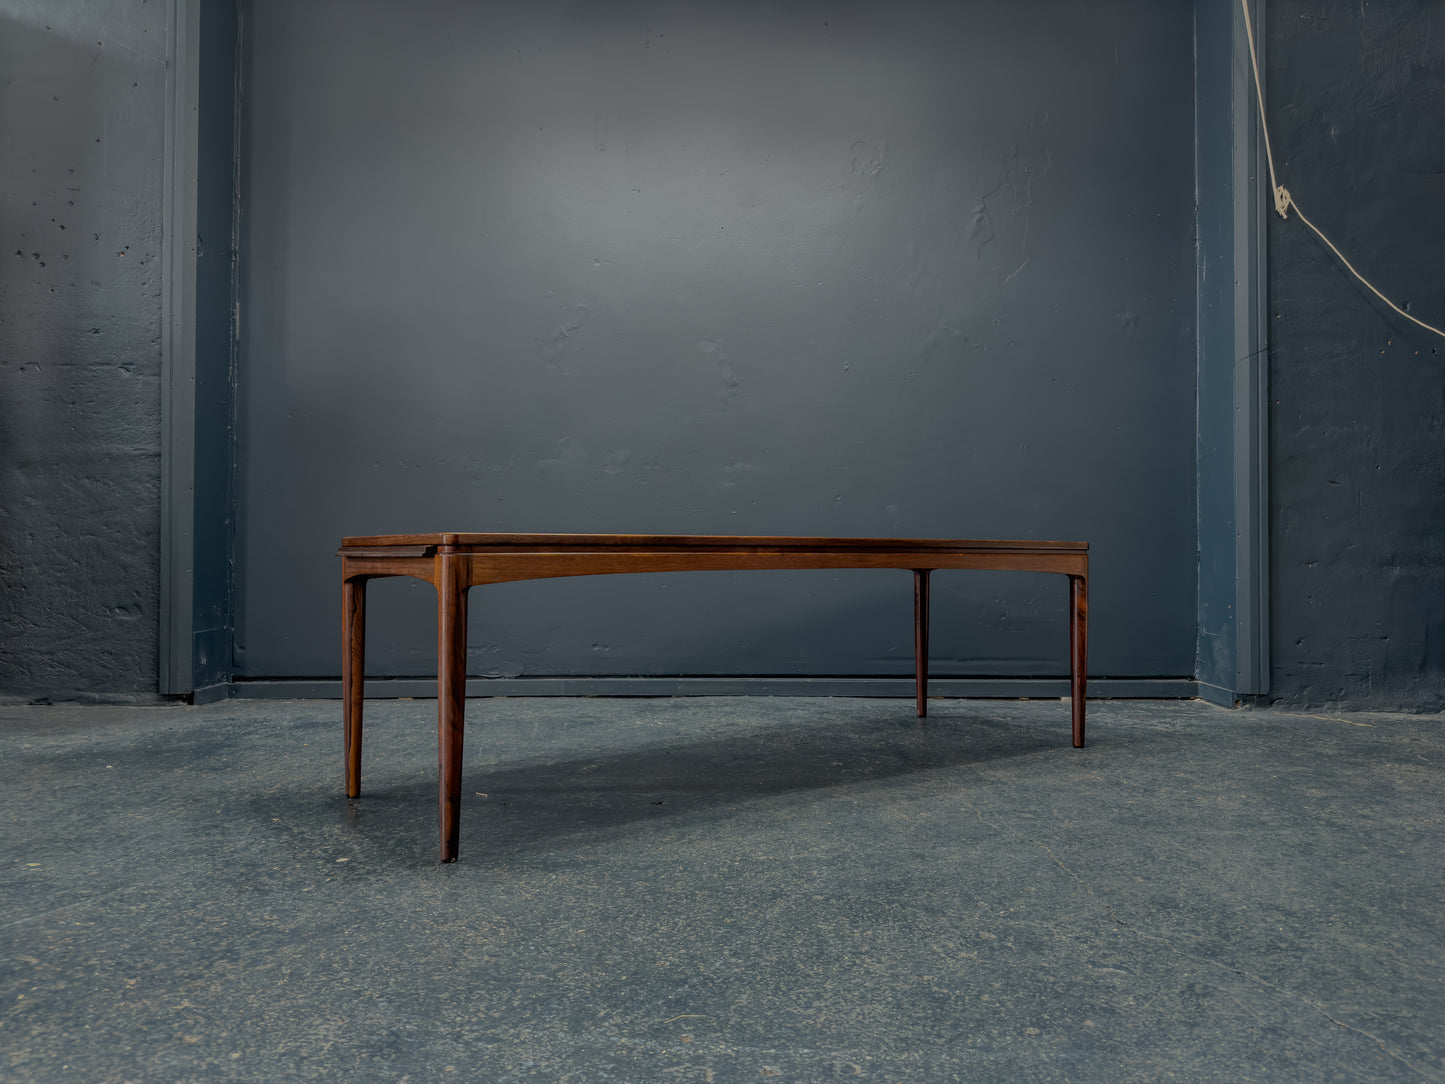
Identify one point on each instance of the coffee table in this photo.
(454, 563)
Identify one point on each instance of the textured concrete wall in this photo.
(1357, 111)
(81, 143)
(1356, 97)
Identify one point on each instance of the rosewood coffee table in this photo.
(452, 563)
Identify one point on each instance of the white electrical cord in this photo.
(1282, 199)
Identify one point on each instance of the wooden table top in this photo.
(653, 542)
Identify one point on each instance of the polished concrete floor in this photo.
(726, 889)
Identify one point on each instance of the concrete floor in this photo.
(723, 890)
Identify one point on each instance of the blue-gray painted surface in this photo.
(1358, 460)
(897, 269)
(214, 504)
(1215, 78)
(1232, 381)
(81, 137)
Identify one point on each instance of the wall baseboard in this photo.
(210, 694)
(1216, 694)
(976, 688)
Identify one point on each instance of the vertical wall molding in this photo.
(198, 342)
(1233, 449)
(178, 348)
(1251, 354)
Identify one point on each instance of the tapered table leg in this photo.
(1078, 652)
(451, 694)
(353, 677)
(920, 638)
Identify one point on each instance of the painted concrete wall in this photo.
(81, 143)
(1357, 113)
(911, 268)
(1358, 396)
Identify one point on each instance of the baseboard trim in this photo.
(962, 688)
(211, 694)
(1217, 694)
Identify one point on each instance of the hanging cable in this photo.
(1283, 201)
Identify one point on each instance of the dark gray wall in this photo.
(81, 141)
(1356, 568)
(1357, 97)
(906, 268)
